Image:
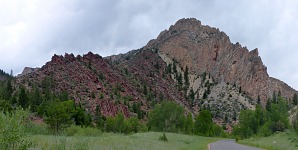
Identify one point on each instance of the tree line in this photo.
(265, 121)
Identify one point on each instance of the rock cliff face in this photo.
(206, 49)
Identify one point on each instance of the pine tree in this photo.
(174, 66)
(145, 91)
(23, 98)
(259, 100)
(8, 90)
(274, 98)
(179, 80)
(186, 80)
(191, 96)
(295, 99)
(268, 105)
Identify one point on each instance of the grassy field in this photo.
(279, 141)
(109, 141)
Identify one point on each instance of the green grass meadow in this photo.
(111, 141)
(279, 141)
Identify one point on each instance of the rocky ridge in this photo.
(206, 49)
(27, 70)
(112, 85)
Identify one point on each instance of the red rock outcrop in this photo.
(95, 81)
(206, 49)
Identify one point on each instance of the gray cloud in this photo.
(32, 31)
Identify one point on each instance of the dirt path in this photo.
(229, 145)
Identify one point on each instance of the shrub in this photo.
(36, 129)
(265, 130)
(82, 131)
(59, 115)
(89, 131)
(168, 116)
(143, 127)
(13, 133)
(72, 130)
(163, 137)
(203, 124)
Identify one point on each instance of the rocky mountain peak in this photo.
(188, 24)
(206, 49)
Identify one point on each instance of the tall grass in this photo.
(111, 141)
(279, 141)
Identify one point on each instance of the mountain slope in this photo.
(116, 86)
(206, 49)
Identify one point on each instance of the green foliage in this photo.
(92, 94)
(8, 90)
(180, 81)
(205, 94)
(167, 116)
(279, 141)
(295, 122)
(37, 129)
(119, 124)
(263, 122)
(279, 115)
(157, 65)
(13, 130)
(131, 125)
(204, 126)
(112, 141)
(217, 131)
(23, 98)
(3, 73)
(295, 99)
(268, 105)
(174, 66)
(189, 125)
(203, 123)
(101, 96)
(186, 80)
(82, 131)
(169, 69)
(274, 98)
(264, 130)
(5, 106)
(145, 91)
(81, 117)
(59, 115)
(204, 77)
(35, 99)
(191, 96)
(247, 123)
(101, 76)
(259, 100)
(163, 137)
(136, 107)
(99, 118)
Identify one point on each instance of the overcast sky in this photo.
(31, 31)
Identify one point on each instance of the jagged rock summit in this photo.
(206, 49)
